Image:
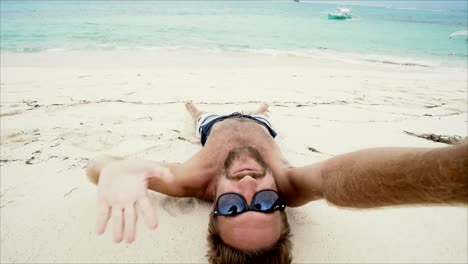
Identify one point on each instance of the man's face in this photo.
(246, 173)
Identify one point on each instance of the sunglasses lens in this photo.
(265, 200)
(230, 204)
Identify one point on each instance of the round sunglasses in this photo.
(264, 201)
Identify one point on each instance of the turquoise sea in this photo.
(265, 26)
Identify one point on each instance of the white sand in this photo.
(60, 109)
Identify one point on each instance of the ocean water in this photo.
(253, 26)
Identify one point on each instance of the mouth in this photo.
(245, 169)
(244, 165)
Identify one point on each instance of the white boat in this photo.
(459, 33)
(340, 14)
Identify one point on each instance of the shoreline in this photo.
(10, 58)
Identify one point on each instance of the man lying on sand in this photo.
(241, 169)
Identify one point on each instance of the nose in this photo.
(247, 186)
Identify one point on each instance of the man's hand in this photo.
(122, 187)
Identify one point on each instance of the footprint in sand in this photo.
(19, 136)
(91, 141)
(179, 206)
(11, 113)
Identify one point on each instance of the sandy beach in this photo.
(60, 109)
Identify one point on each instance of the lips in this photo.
(245, 169)
(244, 164)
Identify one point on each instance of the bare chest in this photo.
(239, 132)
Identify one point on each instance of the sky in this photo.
(426, 5)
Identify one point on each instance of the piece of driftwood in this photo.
(452, 140)
(313, 149)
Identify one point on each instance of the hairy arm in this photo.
(386, 176)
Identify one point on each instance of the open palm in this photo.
(122, 187)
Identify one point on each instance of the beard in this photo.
(237, 153)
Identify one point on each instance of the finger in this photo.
(117, 216)
(148, 212)
(129, 223)
(103, 216)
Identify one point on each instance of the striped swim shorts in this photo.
(206, 121)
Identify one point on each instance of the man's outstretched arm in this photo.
(385, 176)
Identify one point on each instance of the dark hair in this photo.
(221, 253)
